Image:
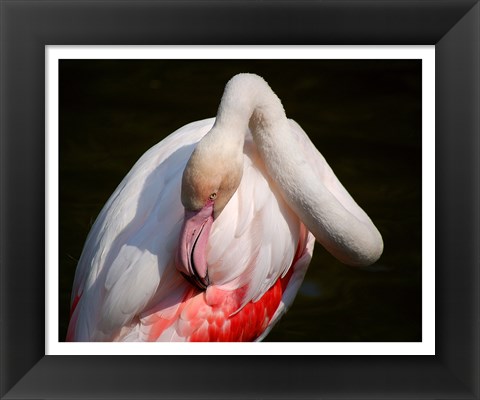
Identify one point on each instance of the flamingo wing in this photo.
(131, 243)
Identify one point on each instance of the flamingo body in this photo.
(126, 269)
(210, 234)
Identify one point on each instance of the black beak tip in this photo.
(196, 281)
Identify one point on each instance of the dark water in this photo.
(363, 115)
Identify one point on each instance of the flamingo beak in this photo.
(191, 257)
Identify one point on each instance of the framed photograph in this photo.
(406, 327)
(375, 309)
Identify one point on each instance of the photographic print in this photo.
(125, 134)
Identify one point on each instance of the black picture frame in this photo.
(28, 26)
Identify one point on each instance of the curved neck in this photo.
(321, 202)
(247, 97)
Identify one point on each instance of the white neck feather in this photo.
(337, 222)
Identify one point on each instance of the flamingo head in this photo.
(210, 179)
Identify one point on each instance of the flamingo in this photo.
(210, 234)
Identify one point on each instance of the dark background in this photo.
(363, 115)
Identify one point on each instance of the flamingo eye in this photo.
(213, 196)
